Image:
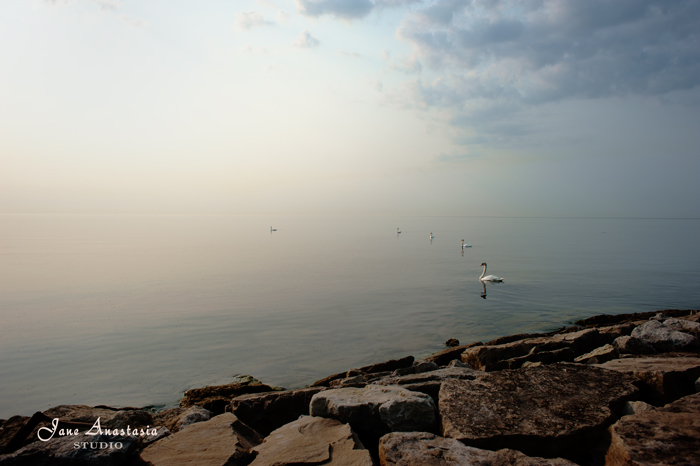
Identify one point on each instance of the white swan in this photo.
(488, 278)
(398, 231)
(273, 229)
(431, 235)
(464, 245)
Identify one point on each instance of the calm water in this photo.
(133, 310)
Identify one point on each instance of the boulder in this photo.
(8, 429)
(429, 382)
(662, 436)
(664, 338)
(607, 319)
(422, 448)
(452, 342)
(217, 397)
(599, 355)
(633, 345)
(682, 325)
(222, 440)
(376, 410)
(417, 368)
(312, 440)
(176, 418)
(445, 356)
(635, 407)
(266, 412)
(555, 410)
(536, 355)
(664, 379)
(355, 381)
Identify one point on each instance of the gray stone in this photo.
(222, 440)
(445, 356)
(215, 398)
(390, 365)
(664, 338)
(416, 368)
(376, 410)
(266, 412)
(633, 345)
(662, 436)
(665, 379)
(458, 363)
(422, 448)
(356, 381)
(312, 440)
(190, 416)
(554, 410)
(436, 375)
(682, 325)
(635, 407)
(599, 355)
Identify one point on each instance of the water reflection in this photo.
(483, 287)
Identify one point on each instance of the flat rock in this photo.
(664, 338)
(376, 410)
(662, 436)
(385, 366)
(443, 357)
(312, 440)
(665, 379)
(266, 412)
(355, 381)
(217, 397)
(488, 357)
(176, 418)
(436, 375)
(222, 440)
(599, 355)
(422, 448)
(555, 410)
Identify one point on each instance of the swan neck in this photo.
(484, 272)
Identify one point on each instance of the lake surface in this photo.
(133, 310)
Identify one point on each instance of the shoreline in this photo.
(595, 344)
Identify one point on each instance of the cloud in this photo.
(306, 41)
(494, 57)
(345, 53)
(249, 19)
(346, 9)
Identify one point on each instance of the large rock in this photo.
(599, 355)
(312, 440)
(9, 428)
(633, 345)
(216, 398)
(422, 448)
(222, 440)
(662, 436)
(683, 325)
(494, 357)
(266, 412)
(665, 379)
(664, 338)
(429, 382)
(443, 357)
(555, 410)
(376, 410)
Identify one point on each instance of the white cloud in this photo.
(249, 19)
(306, 41)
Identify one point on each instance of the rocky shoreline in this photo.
(610, 390)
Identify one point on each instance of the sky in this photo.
(351, 107)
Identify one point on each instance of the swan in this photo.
(489, 278)
(273, 229)
(398, 231)
(431, 235)
(464, 245)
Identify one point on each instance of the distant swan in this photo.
(489, 278)
(398, 231)
(431, 235)
(273, 229)
(464, 245)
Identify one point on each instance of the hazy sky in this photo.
(390, 107)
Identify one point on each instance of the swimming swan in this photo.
(464, 245)
(398, 231)
(431, 236)
(489, 278)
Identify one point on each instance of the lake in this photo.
(131, 310)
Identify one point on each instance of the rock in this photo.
(161, 433)
(458, 363)
(376, 410)
(665, 379)
(697, 385)
(664, 338)
(192, 415)
(356, 381)
(130, 418)
(422, 448)
(312, 440)
(635, 407)
(445, 356)
(416, 368)
(452, 342)
(107, 450)
(493, 357)
(555, 410)
(536, 356)
(633, 345)
(599, 355)
(390, 365)
(659, 316)
(606, 320)
(266, 412)
(429, 382)
(682, 325)
(663, 436)
(222, 440)
(616, 331)
(216, 398)
(8, 429)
